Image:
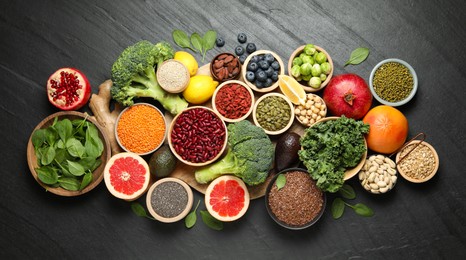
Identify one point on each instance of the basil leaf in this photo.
(363, 210)
(75, 168)
(197, 42)
(281, 181)
(208, 39)
(39, 138)
(347, 192)
(47, 156)
(64, 129)
(87, 179)
(75, 147)
(191, 218)
(358, 56)
(47, 175)
(71, 184)
(338, 208)
(181, 39)
(210, 221)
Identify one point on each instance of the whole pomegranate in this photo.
(349, 95)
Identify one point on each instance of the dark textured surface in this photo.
(412, 221)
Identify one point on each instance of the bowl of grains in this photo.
(140, 129)
(233, 100)
(293, 199)
(173, 76)
(417, 161)
(393, 82)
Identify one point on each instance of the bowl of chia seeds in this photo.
(393, 82)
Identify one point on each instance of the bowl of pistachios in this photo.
(393, 82)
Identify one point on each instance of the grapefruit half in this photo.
(227, 198)
(126, 176)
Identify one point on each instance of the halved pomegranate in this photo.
(68, 89)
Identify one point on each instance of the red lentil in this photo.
(141, 128)
(233, 101)
(298, 202)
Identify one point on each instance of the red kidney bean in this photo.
(198, 135)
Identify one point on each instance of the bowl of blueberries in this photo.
(260, 70)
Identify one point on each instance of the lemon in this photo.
(292, 89)
(188, 60)
(200, 89)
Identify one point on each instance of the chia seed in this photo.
(298, 202)
(169, 199)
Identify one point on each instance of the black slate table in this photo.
(412, 221)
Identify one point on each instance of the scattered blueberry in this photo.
(239, 50)
(251, 47)
(261, 75)
(250, 76)
(242, 58)
(220, 42)
(275, 65)
(269, 72)
(242, 38)
(252, 66)
(264, 64)
(268, 82)
(269, 58)
(274, 76)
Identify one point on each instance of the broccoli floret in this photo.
(249, 156)
(133, 76)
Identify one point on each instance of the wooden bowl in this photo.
(245, 65)
(403, 171)
(297, 52)
(349, 173)
(97, 174)
(231, 120)
(290, 122)
(168, 77)
(235, 66)
(310, 118)
(174, 124)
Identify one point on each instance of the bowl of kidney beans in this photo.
(261, 69)
(197, 136)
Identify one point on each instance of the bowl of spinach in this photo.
(67, 153)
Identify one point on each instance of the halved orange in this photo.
(292, 89)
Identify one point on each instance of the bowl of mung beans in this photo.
(274, 113)
(393, 82)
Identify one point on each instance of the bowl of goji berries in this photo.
(233, 100)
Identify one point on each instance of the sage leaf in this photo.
(357, 56)
(48, 156)
(87, 179)
(67, 183)
(75, 168)
(210, 221)
(191, 218)
(363, 210)
(338, 208)
(181, 39)
(281, 181)
(208, 39)
(47, 175)
(197, 42)
(347, 192)
(75, 147)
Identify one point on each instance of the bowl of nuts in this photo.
(417, 161)
(274, 113)
(261, 69)
(225, 66)
(311, 111)
(378, 175)
(197, 136)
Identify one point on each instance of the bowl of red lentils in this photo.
(293, 199)
(417, 161)
(141, 129)
(197, 136)
(393, 82)
(233, 100)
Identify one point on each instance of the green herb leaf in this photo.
(209, 41)
(75, 147)
(47, 175)
(181, 39)
(197, 42)
(281, 181)
(75, 168)
(139, 210)
(93, 144)
(338, 208)
(347, 192)
(64, 129)
(67, 183)
(39, 138)
(48, 155)
(191, 218)
(87, 179)
(51, 135)
(358, 56)
(210, 221)
(362, 210)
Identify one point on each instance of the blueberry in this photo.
(252, 66)
(220, 42)
(263, 64)
(275, 65)
(260, 57)
(269, 58)
(242, 58)
(251, 47)
(239, 50)
(274, 76)
(269, 72)
(259, 84)
(242, 38)
(250, 76)
(268, 82)
(261, 75)
(255, 58)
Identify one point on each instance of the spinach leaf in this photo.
(38, 138)
(64, 129)
(51, 135)
(208, 40)
(87, 179)
(71, 184)
(191, 218)
(197, 42)
(210, 221)
(47, 156)
(47, 175)
(358, 56)
(362, 210)
(75, 168)
(139, 210)
(181, 39)
(281, 181)
(347, 192)
(93, 144)
(338, 208)
(75, 147)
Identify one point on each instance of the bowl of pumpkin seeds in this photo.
(274, 113)
(393, 82)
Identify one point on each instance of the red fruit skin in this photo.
(344, 88)
(83, 97)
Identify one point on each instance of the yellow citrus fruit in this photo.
(200, 89)
(292, 89)
(188, 60)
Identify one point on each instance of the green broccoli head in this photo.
(249, 156)
(133, 75)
